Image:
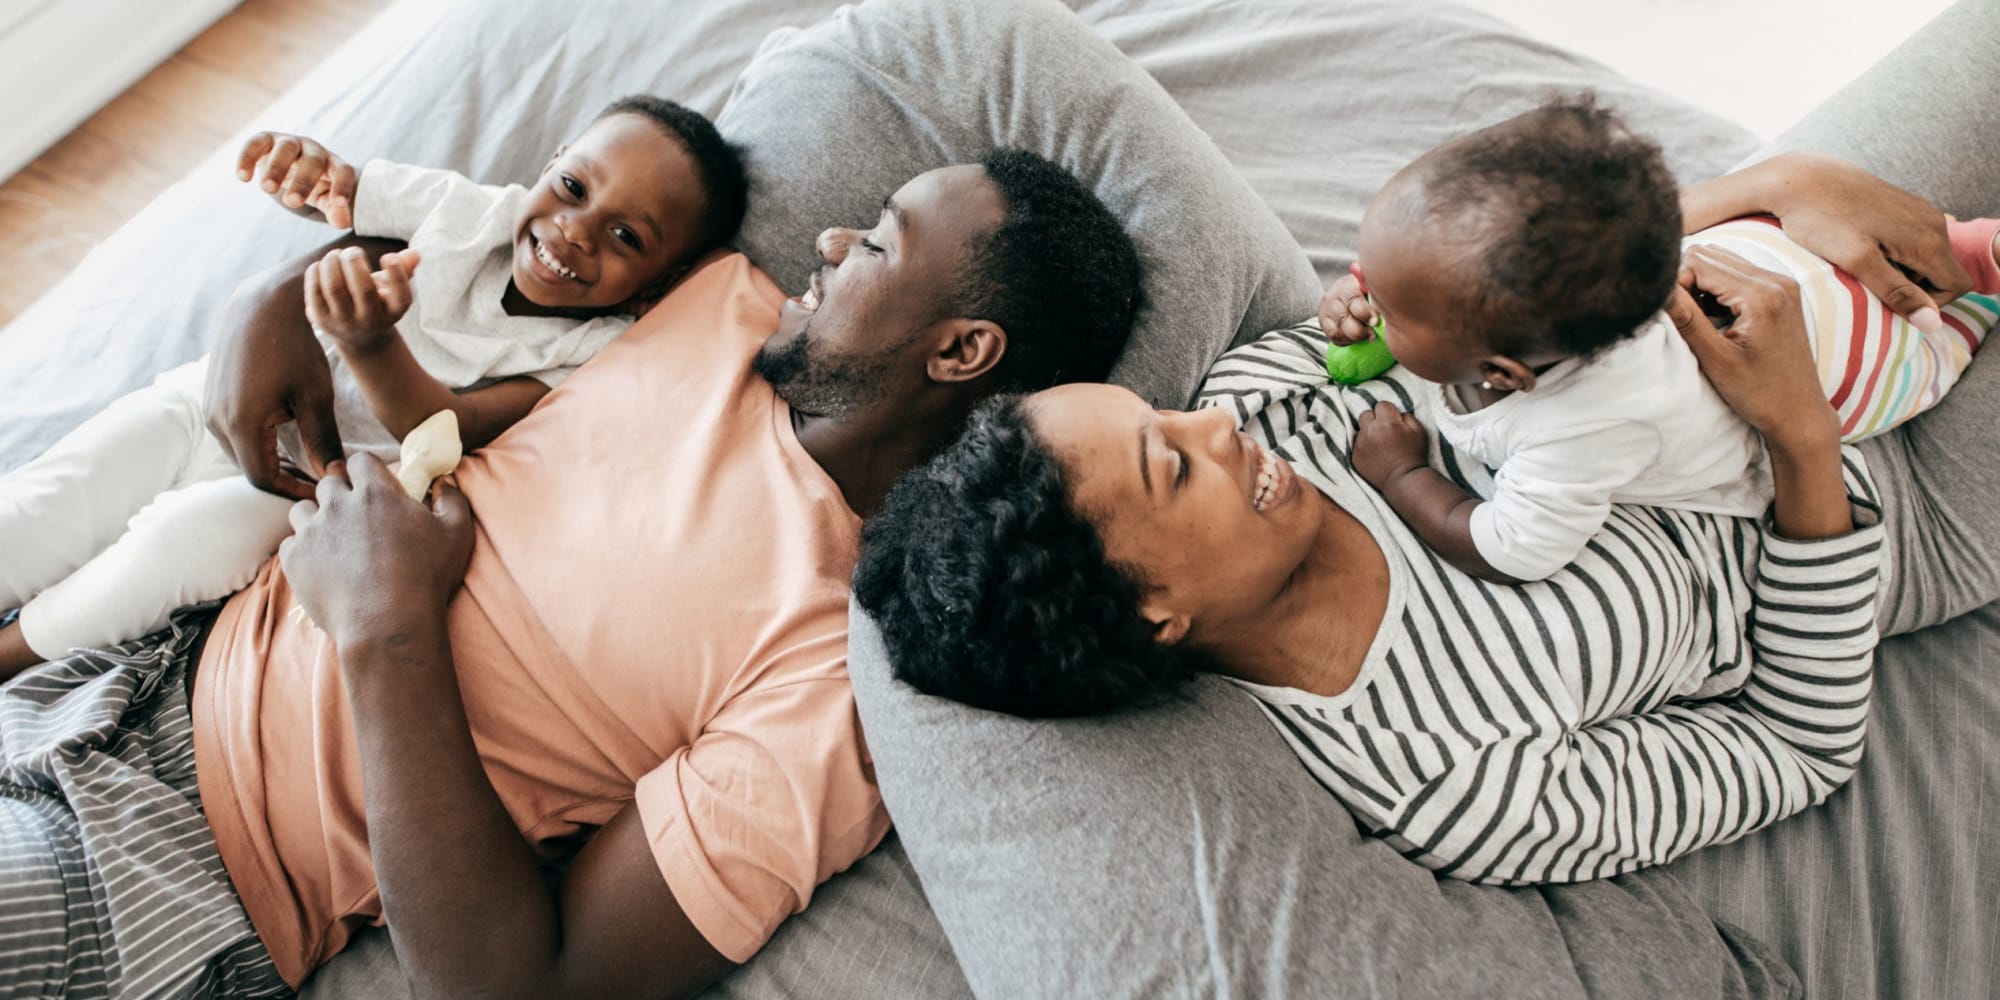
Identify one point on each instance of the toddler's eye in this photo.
(628, 237)
(570, 184)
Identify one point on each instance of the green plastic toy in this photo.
(1357, 363)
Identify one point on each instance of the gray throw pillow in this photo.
(835, 116)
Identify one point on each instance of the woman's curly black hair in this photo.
(991, 589)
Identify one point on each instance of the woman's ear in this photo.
(1169, 626)
(974, 347)
(1506, 374)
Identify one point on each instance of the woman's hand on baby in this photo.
(1889, 239)
(363, 554)
(1761, 364)
(354, 308)
(1345, 314)
(301, 175)
(1387, 444)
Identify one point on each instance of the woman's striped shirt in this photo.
(1689, 679)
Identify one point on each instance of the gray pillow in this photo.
(835, 116)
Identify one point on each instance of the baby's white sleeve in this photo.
(1552, 495)
(392, 199)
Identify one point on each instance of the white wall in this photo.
(1761, 63)
(61, 60)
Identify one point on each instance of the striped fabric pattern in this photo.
(1689, 679)
(110, 884)
(1877, 369)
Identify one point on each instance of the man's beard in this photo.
(814, 382)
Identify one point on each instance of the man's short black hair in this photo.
(719, 164)
(993, 590)
(1059, 275)
(1571, 221)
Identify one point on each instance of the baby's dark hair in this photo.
(992, 589)
(719, 163)
(1571, 224)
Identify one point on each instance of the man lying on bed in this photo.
(643, 636)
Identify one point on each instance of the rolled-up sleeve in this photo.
(774, 797)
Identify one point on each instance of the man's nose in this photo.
(833, 244)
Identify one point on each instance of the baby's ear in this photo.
(1507, 374)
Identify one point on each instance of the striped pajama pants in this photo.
(1878, 370)
(110, 884)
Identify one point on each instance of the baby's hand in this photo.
(301, 175)
(1345, 314)
(1387, 444)
(355, 309)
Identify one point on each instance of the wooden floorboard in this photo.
(91, 181)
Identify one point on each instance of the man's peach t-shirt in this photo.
(656, 611)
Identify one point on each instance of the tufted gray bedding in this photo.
(1097, 859)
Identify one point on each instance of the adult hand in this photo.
(302, 175)
(1761, 363)
(1889, 239)
(1387, 444)
(265, 370)
(365, 558)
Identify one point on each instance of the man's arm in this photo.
(472, 913)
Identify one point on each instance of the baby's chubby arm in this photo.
(358, 310)
(302, 175)
(1390, 453)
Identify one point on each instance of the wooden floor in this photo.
(85, 186)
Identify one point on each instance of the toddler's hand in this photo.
(301, 175)
(1345, 314)
(354, 308)
(1387, 444)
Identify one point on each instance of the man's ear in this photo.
(1169, 626)
(1506, 373)
(971, 348)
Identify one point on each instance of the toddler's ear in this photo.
(650, 296)
(1506, 374)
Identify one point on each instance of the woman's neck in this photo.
(1316, 634)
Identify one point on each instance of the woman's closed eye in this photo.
(869, 245)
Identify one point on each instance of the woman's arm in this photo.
(472, 913)
(1642, 790)
(1891, 240)
(1762, 365)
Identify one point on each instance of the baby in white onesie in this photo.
(501, 294)
(1524, 269)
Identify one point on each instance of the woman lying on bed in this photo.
(1691, 678)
